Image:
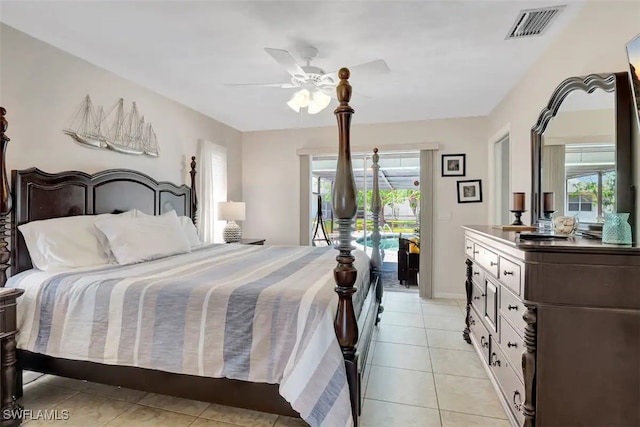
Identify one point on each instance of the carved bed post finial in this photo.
(344, 209)
(376, 207)
(5, 200)
(376, 259)
(194, 196)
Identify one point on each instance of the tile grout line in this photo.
(403, 369)
(433, 375)
(404, 404)
(476, 415)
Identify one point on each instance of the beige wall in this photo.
(42, 88)
(271, 184)
(581, 126)
(593, 43)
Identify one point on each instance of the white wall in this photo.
(271, 182)
(593, 43)
(42, 88)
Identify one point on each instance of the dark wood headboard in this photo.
(39, 195)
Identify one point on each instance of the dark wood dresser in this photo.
(557, 325)
(10, 410)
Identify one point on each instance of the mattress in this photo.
(246, 312)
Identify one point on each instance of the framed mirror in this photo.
(581, 149)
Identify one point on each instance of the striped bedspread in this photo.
(253, 313)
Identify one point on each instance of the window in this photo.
(580, 204)
(213, 189)
(591, 195)
(590, 180)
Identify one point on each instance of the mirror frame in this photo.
(619, 84)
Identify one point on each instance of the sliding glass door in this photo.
(399, 181)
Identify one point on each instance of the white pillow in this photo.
(144, 238)
(64, 243)
(190, 231)
(103, 239)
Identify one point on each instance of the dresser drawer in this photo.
(510, 275)
(477, 298)
(477, 275)
(512, 388)
(480, 334)
(512, 309)
(491, 304)
(469, 248)
(487, 259)
(512, 345)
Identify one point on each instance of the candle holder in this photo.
(518, 214)
(547, 214)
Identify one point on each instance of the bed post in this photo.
(344, 209)
(376, 207)
(194, 196)
(10, 385)
(5, 200)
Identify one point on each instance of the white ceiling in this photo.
(447, 58)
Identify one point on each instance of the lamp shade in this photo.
(299, 100)
(231, 211)
(319, 101)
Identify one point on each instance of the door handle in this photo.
(494, 362)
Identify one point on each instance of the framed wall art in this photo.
(633, 52)
(470, 191)
(454, 164)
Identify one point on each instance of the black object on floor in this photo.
(390, 277)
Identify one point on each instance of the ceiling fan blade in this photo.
(379, 66)
(285, 59)
(280, 85)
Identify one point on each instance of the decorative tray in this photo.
(542, 236)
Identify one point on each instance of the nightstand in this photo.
(10, 410)
(248, 241)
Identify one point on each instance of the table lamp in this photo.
(231, 212)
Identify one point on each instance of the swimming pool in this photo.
(387, 241)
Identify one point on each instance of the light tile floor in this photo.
(421, 374)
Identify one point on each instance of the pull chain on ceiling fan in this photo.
(316, 87)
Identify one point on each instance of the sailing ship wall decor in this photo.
(118, 130)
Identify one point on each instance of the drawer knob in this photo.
(484, 343)
(494, 362)
(476, 297)
(518, 404)
(472, 321)
(476, 273)
(476, 252)
(507, 273)
(493, 264)
(512, 344)
(469, 247)
(512, 307)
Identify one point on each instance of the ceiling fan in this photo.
(316, 86)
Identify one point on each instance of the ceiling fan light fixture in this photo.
(300, 99)
(319, 101)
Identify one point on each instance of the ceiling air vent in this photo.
(533, 22)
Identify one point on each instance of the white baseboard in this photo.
(447, 295)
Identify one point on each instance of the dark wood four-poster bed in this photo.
(36, 195)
